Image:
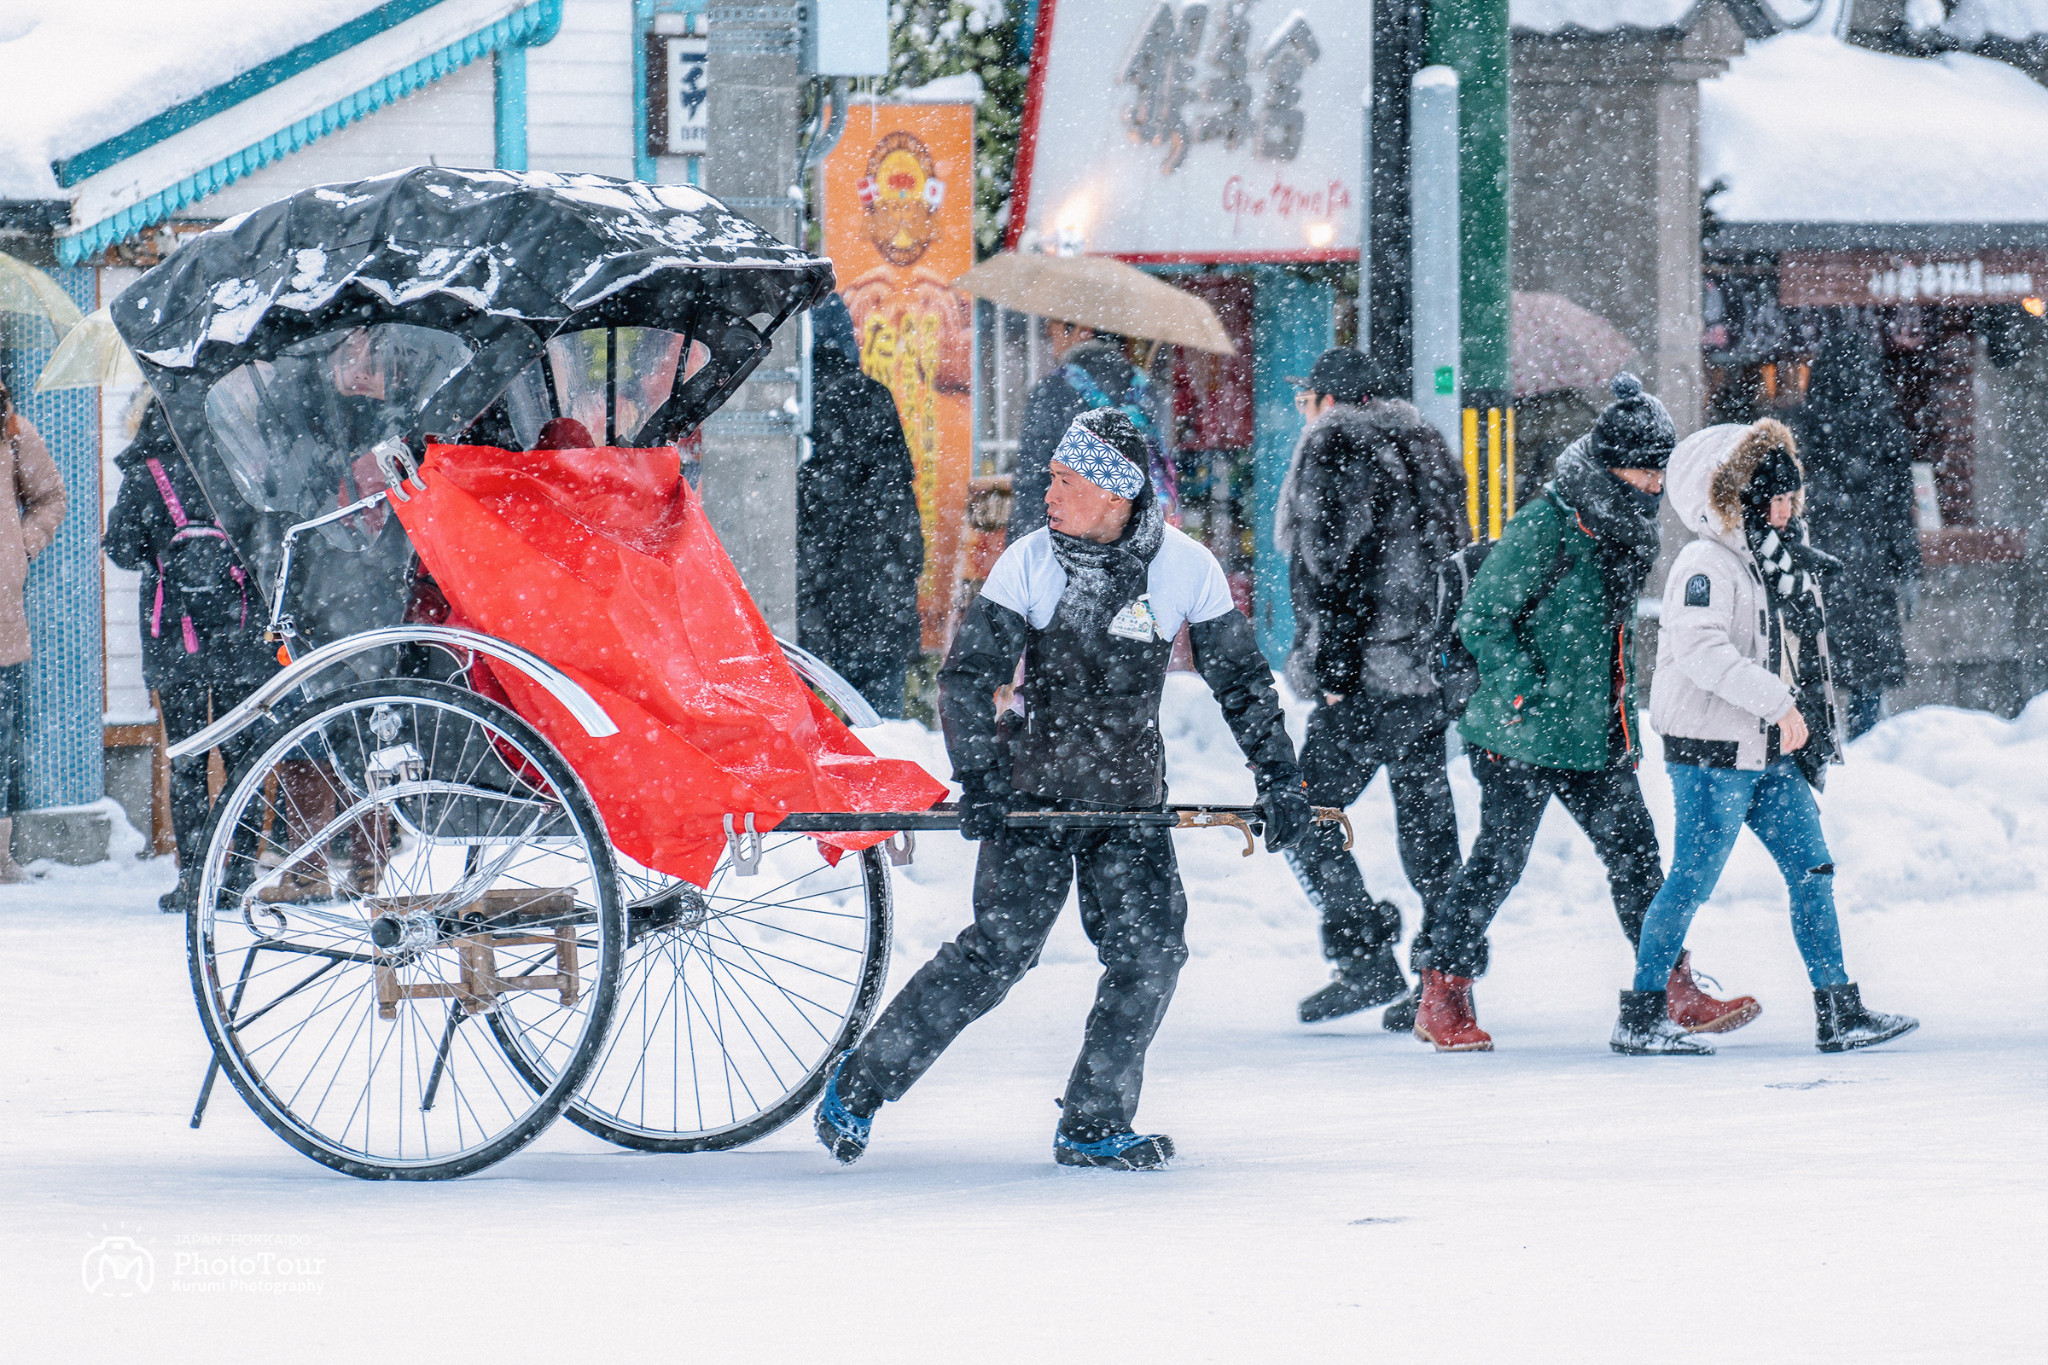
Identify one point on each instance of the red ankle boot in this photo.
(1445, 1017)
(1693, 1010)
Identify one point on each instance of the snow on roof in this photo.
(1975, 20)
(1808, 129)
(1598, 16)
(1756, 17)
(80, 73)
(964, 88)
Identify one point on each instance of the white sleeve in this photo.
(1212, 594)
(1006, 586)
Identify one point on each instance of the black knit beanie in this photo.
(1777, 474)
(1635, 432)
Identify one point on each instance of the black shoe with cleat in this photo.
(1359, 986)
(1117, 1152)
(1645, 1029)
(1842, 1023)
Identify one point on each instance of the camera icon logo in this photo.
(118, 1267)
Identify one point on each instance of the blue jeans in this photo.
(1713, 804)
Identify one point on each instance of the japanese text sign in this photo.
(1205, 130)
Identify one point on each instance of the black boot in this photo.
(1400, 1016)
(1645, 1029)
(1843, 1023)
(1361, 983)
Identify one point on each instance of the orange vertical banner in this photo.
(899, 227)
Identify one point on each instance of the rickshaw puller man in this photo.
(1091, 603)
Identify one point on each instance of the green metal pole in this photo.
(1471, 37)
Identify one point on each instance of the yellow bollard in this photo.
(1493, 504)
(1472, 469)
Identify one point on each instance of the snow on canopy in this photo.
(1806, 128)
(78, 74)
(535, 245)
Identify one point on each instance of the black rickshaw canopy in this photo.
(459, 305)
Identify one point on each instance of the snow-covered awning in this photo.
(1823, 144)
(128, 110)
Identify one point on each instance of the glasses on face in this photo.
(1304, 402)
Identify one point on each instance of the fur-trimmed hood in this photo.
(1710, 468)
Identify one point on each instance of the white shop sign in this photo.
(1219, 131)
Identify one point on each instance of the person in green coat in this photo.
(1550, 620)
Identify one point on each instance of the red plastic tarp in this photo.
(602, 562)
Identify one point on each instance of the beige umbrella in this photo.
(1100, 292)
(1559, 345)
(91, 354)
(25, 289)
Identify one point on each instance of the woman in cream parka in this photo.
(1745, 703)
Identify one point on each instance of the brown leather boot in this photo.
(1693, 1010)
(1445, 1018)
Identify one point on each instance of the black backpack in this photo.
(1457, 670)
(199, 567)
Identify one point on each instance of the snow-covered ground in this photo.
(1343, 1193)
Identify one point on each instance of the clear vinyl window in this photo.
(613, 395)
(295, 432)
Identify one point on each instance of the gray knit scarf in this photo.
(1104, 579)
(1622, 520)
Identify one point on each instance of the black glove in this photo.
(984, 808)
(1289, 817)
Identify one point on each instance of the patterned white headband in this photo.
(1099, 462)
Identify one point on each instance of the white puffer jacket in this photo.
(1714, 678)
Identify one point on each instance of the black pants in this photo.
(1347, 743)
(1134, 912)
(188, 709)
(1607, 805)
(877, 675)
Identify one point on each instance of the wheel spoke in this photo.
(362, 1062)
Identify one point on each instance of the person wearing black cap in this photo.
(1091, 603)
(1550, 619)
(1372, 502)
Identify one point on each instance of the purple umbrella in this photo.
(1559, 345)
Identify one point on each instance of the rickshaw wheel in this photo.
(736, 1001)
(392, 860)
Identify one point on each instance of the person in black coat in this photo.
(1091, 605)
(1371, 504)
(1859, 508)
(202, 622)
(860, 543)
